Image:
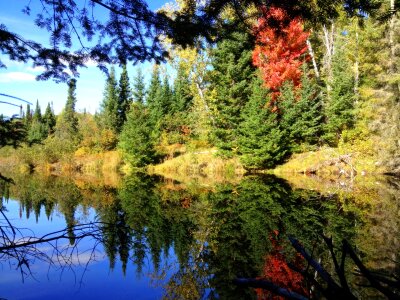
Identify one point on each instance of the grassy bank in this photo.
(331, 163)
(28, 159)
(201, 166)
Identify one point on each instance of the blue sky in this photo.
(19, 79)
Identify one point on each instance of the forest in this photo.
(260, 97)
(237, 92)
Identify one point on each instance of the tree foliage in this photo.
(124, 97)
(301, 113)
(139, 88)
(49, 119)
(136, 141)
(231, 73)
(339, 106)
(279, 52)
(37, 130)
(262, 142)
(130, 31)
(67, 123)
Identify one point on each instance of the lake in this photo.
(147, 237)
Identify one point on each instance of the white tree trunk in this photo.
(356, 70)
(328, 40)
(310, 50)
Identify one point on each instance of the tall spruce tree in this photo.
(136, 139)
(37, 130)
(153, 100)
(339, 110)
(261, 140)
(139, 88)
(37, 114)
(232, 71)
(182, 94)
(301, 112)
(124, 97)
(69, 111)
(67, 123)
(28, 117)
(166, 99)
(154, 87)
(49, 119)
(109, 115)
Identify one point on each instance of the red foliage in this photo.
(277, 271)
(280, 49)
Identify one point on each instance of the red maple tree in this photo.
(280, 49)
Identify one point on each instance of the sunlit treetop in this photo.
(279, 54)
(108, 31)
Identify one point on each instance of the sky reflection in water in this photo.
(96, 282)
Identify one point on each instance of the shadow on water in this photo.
(192, 241)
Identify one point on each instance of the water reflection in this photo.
(191, 241)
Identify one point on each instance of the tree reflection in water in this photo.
(197, 239)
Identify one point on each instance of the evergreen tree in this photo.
(135, 140)
(69, 110)
(37, 130)
(109, 115)
(261, 141)
(166, 98)
(232, 70)
(154, 87)
(183, 96)
(154, 100)
(339, 110)
(67, 123)
(28, 117)
(301, 112)
(49, 119)
(139, 88)
(124, 97)
(37, 115)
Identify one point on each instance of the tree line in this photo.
(296, 89)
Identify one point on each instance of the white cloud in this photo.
(91, 63)
(16, 76)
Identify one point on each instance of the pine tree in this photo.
(135, 140)
(154, 87)
(108, 119)
(67, 123)
(339, 110)
(28, 117)
(37, 130)
(109, 116)
(301, 112)
(261, 141)
(232, 70)
(139, 88)
(49, 119)
(37, 115)
(124, 97)
(166, 99)
(182, 94)
(153, 100)
(69, 110)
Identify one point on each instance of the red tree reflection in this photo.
(277, 271)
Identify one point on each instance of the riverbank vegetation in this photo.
(321, 95)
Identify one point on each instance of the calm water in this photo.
(151, 238)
